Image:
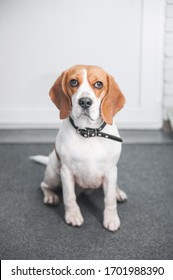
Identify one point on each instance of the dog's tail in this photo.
(40, 159)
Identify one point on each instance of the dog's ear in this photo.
(112, 102)
(59, 96)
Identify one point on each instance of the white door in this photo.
(42, 38)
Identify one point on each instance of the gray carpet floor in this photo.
(31, 230)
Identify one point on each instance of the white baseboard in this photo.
(49, 118)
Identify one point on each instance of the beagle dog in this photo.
(88, 145)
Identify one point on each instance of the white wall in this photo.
(168, 61)
(28, 65)
(40, 38)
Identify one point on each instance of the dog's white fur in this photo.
(89, 163)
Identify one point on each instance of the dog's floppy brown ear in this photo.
(112, 102)
(60, 98)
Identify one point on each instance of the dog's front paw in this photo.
(111, 220)
(74, 217)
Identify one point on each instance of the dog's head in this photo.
(87, 92)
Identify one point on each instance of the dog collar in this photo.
(92, 132)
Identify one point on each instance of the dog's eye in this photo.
(98, 85)
(74, 83)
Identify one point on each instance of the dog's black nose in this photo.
(85, 102)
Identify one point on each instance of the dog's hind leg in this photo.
(121, 196)
(51, 180)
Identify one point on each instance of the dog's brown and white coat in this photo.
(90, 96)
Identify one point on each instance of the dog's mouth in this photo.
(86, 113)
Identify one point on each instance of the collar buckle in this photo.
(85, 133)
(94, 132)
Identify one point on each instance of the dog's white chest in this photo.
(88, 159)
(88, 172)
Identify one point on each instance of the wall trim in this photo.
(46, 118)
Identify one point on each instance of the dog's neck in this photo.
(85, 121)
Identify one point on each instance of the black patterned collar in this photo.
(88, 132)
